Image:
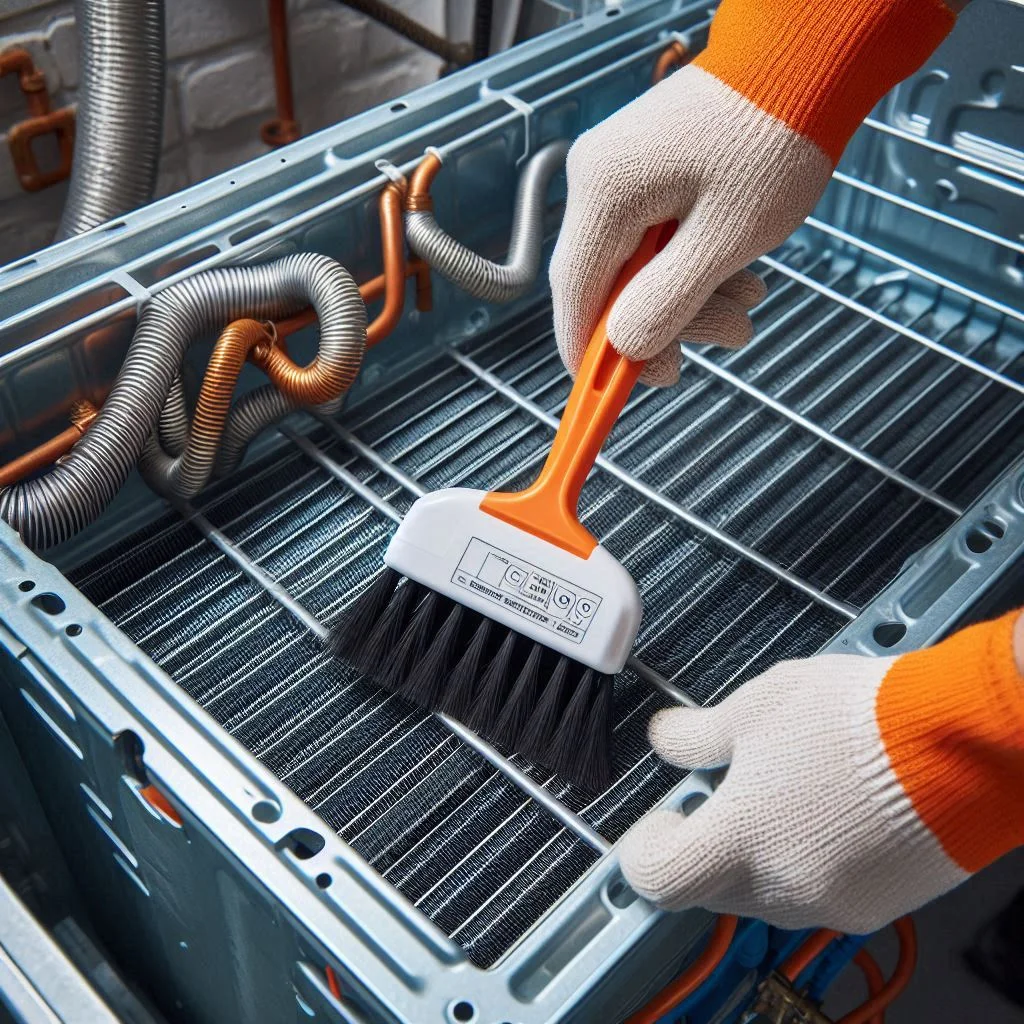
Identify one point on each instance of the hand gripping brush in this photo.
(501, 609)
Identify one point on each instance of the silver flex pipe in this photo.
(251, 416)
(119, 123)
(50, 509)
(494, 282)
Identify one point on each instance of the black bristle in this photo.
(426, 678)
(536, 739)
(413, 642)
(569, 732)
(520, 703)
(460, 688)
(591, 765)
(493, 689)
(360, 617)
(374, 657)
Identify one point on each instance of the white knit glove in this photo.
(691, 149)
(811, 825)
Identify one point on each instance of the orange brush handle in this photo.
(547, 508)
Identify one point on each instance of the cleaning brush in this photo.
(501, 609)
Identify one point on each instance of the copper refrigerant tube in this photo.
(674, 56)
(44, 455)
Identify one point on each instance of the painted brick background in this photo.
(219, 86)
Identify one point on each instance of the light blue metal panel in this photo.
(257, 919)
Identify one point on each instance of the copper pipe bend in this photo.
(675, 55)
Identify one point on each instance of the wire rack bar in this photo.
(825, 435)
(915, 268)
(924, 211)
(656, 498)
(940, 147)
(895, 325)
(342, 475)
(247, 566)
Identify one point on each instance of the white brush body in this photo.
(586, 608)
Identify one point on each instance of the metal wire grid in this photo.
(819, 458)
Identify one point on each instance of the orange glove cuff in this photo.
(821, 65)
(952, 721)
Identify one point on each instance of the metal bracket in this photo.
(41, 121)
(779, 1003)
(516, 103)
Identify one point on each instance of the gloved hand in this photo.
(738, 147)
(857, 790)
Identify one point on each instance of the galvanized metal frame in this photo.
(119, 719)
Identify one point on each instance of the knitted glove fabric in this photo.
(738, 147)
(858, 788)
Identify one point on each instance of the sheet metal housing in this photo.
(233, 914)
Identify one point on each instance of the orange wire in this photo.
(802, 957)
(693, 977)
(332, 982)
(873, 977)
(898, 981)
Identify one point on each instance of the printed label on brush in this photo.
(527, 590)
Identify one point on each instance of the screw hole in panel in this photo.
(889, 634)
(463, 1011)
(26, 585)
(323, 880)
(978, 541)
(692, 803)
(620, 894)
(266, 811)
(302, 842)
(52, 604)
(73, 630)
(397, 108)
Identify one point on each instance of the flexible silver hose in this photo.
(54, 507)
(494, 282)
(342, 342)
(119, 123)
(172, 428)
(251, 416)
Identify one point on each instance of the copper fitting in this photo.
(18, 61)
(82, 414)
(281, 130)
(41, 121)
(674, 56)
(420, 182)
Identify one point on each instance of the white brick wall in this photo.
(219, 86)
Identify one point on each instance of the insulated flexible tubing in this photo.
(186, 472)
(292, 386)
(119, 124)
(51, 508)
(481, 277)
